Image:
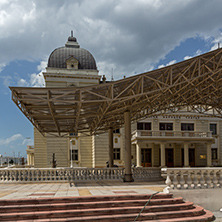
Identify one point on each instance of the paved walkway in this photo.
(39, 190)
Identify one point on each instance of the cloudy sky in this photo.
(126, 36)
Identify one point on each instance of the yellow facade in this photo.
(151, 147)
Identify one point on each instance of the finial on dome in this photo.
(72, 41)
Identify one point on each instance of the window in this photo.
(143, 126)
(214, 153)
(74, 155)
(213, 128)
(116, 153)
(166, 126)
(116, 131)
(187, 126)
(73, 134)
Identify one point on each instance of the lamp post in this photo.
(71, 165)
(1, 159)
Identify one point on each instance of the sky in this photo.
(126, 37)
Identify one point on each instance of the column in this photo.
(128, 172)
(208, 154)
(162, 155)
(110, 147)
(138, 155)
(186, 154)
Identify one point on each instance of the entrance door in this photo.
(169, 157)
(191, 157)
(146, 157)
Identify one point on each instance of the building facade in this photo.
(175, 139)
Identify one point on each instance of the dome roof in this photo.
(59, 56)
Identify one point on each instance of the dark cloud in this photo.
(126, 36)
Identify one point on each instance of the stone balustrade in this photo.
(192, 178)
(146, 173)
(174, 134)
(73, 174)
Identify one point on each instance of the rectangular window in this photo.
(214, 153)
(143, 126)
(74, 155)
(187, 126)
(116, 153)
(166, 126)
(73, 134)
(116, 131)
(213, 128)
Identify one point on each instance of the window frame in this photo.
(144, 126)
(116, 154)
(188, 127)
(165, 126)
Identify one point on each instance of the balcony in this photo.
(172, 135)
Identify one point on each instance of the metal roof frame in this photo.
(195, 83)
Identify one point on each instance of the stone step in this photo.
(163, 207)
(110, 210)
(87, 205)
(82, 199)
(194, 215)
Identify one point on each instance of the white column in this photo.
(186, 154)
(110, 147)
(208, 154)
(162, 155)
(138, 155)
(71, 162)
(128, 172)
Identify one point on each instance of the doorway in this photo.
(191, 157)
(169, 154)
(146, 157)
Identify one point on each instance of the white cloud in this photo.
(37, 80)
(168, 64)
(11, 139)
(198, 52)
(27, 142)
(22, 83)
(130, 35)
(6, 80)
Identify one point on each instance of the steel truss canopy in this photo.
(195, 83)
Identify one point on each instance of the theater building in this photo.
(174, 139)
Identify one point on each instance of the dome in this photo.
(60, 56)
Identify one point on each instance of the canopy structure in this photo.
(195, 83)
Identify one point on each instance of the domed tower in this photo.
(71, 66)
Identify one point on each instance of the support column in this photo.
(186, 154)
(28, 158)
(128, 172)
(111, 147)
(162, 155)
(209, 154)
(138, 155)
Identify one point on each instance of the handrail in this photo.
(145, 205)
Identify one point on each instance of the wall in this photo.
(40, 150)
(59, 146)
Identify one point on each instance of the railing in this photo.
(192, 178)
(146, 173)
(74, 174)
(175, 134)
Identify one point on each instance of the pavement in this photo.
(92, 188)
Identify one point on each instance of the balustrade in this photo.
(175, 134)
(75, 174)
(192, 178)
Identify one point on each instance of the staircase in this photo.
(161, 208)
